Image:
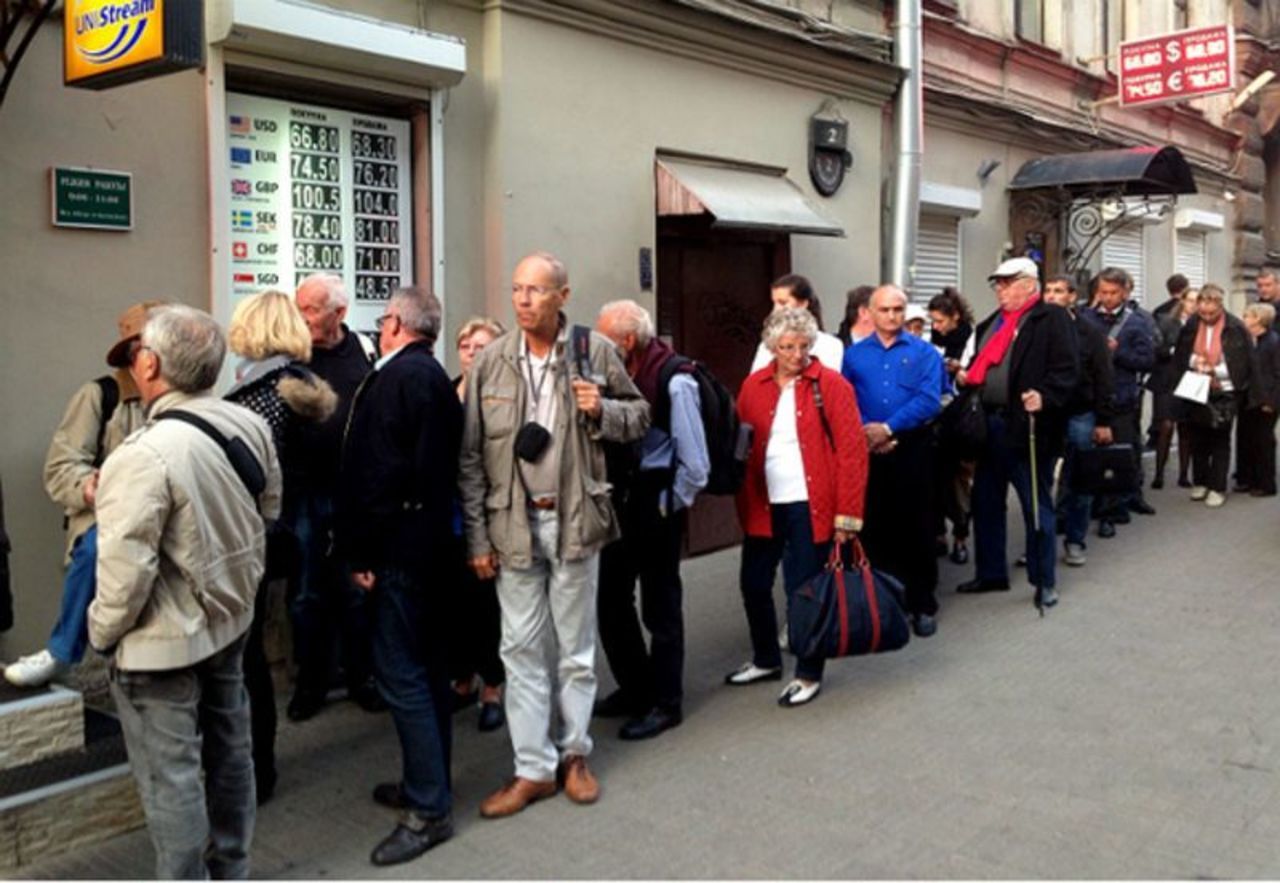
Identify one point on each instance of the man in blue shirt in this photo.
(655, 484)
(898, 379)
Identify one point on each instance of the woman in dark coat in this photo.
(951, 327)
(272, 380)
(1215, 344)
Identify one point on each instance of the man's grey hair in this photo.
(888, 288)
(1270, 272)
(628, 317)
(1264, 313)
(420, 311)
(792, 320)
(559, 272)
(335, 290)
(189, 345)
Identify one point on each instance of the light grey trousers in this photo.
(177, 723)
(549, 651)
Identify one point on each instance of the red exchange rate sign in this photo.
(1177, 66)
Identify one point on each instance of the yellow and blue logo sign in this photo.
(102, 36)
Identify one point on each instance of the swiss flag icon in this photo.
(239, 250)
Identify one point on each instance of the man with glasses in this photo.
(395, 530)
(537, 512)
(99, 416)
(1026, 368)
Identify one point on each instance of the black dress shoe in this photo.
(960, 554)
(491, 716)
(412, 837)
(1157, 483)
(1259, 492)
(1142, 507)
(924, 625)
(368, 697)
(304, 706)
(1121, 517)
(976, 586)
(390, 794)
(617, 704)
(1106, 530)
(653, 723)
(1183, 481)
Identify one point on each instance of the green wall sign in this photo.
(91, 198)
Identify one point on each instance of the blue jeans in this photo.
(325, 603)
(791, 544)
(1003, 463)
(1074, 508)
(70, 635)
(412, 672)
(176, 724)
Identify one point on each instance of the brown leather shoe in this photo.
(515, 796)
(580, 785)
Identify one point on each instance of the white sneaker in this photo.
(1214, 499)
(1198, 492)
(35, 670)
(1074, 555)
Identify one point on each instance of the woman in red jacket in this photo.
(806, 479)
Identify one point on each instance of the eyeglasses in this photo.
(383, 319)
(518, 290)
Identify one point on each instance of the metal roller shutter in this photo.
(1191, 256)
(937, 256)
(1124, 249)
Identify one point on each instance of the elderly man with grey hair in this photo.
(181, 548)
(653, 490)
(323, 603)
(395, 530)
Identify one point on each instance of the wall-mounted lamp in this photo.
(986, 167)
(1252, 89)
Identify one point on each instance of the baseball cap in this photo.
(130, 325)
(1015, 268)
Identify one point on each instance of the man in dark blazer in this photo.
(399, 475)
(1026, 367)
(1256, 434)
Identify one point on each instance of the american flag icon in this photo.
(240, 125)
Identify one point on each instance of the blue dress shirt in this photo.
(898, 384)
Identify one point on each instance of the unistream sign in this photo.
(1177, 66)
(112, 42)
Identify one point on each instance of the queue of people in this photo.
(452, 542)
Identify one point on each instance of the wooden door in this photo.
(713, 296)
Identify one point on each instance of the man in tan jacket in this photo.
(99, 416)
(181, 549)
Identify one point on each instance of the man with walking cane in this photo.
(1025, 367)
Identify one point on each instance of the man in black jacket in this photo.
(1256, 434)
(1089, 416)
(1131, 335)
(399, 474)
(1027, 367)
(323, 603)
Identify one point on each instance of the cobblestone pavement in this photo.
(1134, 733)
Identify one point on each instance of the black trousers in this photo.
(898, 534)
(1210, 455)
(262, 695)
(1256, 450)
(1126, 428)
(475, 626)
(649, 551)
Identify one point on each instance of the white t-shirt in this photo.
(827, 349)
(783, 465)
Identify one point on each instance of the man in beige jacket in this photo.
(99, 416)
(181, 548)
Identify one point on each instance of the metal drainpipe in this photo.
(904, 206)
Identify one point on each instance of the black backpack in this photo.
(728, 441)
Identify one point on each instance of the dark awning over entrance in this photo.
(1133, 171)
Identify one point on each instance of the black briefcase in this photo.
(1109, 469)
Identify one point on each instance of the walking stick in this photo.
(1035, 517)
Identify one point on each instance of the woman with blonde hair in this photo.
(269, 334)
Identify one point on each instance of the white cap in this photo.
(1015, 268)
(916, 311)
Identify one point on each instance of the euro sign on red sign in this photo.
(1177, 66)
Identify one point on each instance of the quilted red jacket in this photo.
(837, 478)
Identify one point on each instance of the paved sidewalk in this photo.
(1134, 733)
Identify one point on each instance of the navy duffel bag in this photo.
(847, 611)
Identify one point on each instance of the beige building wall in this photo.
(63, 288)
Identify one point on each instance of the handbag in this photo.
(847, 611)
(1107, 469)
(962, 426)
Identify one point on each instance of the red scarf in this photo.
(993, 352)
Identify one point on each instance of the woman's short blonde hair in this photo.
(269, 324)
(793, 320)
(478, 323)
(1264, 313)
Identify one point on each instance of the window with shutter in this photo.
(1190, 256)
(1124, 249)
(937, 256)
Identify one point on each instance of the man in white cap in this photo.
(1026, 368)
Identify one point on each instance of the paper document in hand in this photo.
(1194, 387)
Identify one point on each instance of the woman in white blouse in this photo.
(795, 292)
